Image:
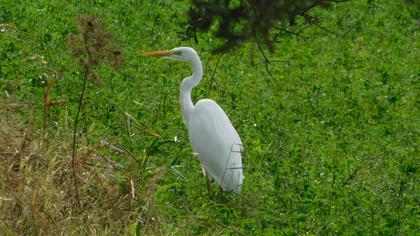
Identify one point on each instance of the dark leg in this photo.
(220, 189)
(208, 184)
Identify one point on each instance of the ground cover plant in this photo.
(329, 122)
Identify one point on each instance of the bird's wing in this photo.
(217, 143)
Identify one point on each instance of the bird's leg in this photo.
(207, 180)
(208, 184)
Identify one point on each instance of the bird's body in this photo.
(217, 144)
(212, 135)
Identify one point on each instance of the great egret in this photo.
(212, 135)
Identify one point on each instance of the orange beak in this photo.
(157, 54)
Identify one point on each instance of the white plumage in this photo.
(217, 143)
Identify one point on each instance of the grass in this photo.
(331, 138)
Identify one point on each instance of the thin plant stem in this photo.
(214, 73)
(74, 147)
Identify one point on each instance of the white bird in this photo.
(211, 133)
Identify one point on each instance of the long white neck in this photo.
(186, 86)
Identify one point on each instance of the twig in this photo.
(266, 60)
(214, 73)
(297, 34)
(132, 189)
(327, 30)
(120, 150)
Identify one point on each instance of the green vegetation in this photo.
(331, 138)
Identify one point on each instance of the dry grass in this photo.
(36, 194)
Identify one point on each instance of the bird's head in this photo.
(186, 54)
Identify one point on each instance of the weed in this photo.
(93, 46)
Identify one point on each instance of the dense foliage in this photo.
(239, 21)
(331, 138)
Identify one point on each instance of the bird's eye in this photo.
(179, 53)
